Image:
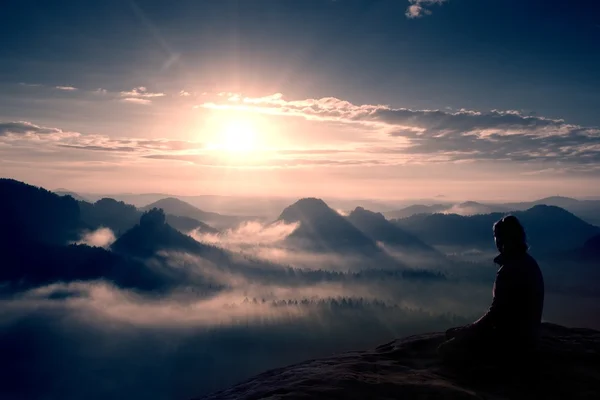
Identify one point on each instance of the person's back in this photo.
(519, 298)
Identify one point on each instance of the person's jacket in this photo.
(516, 309)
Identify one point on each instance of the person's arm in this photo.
(500, 304)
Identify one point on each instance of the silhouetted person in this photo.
(510, 326)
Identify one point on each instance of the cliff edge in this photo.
(567, 366)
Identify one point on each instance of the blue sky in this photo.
(78, 66)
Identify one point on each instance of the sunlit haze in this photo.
(343, 98)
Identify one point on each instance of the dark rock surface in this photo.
(567, 366)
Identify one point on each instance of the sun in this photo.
(238, 136)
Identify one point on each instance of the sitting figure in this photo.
(510, 327)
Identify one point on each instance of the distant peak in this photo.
(359, 211)
(153, 218)
(558, 198)
(170, 200)
(470, 204)
(362, 212)
(310, 202)
(309, 207)
(106, 200)
(545, 207)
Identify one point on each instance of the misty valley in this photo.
(105, 299)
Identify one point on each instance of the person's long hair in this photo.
(511, 235)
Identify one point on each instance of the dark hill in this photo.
(66, 192)
(416, 209)
(32, 264)
(120, 217)
(36, 214)
(567, 367)
(591, 248)
(109, 213)
(153, 234)
(323, 229)
(588, 210)
(378, 228)
(187, 224)
(465, 208)
(558, 201)
(174, 206)
(34, 237)
(548, 228)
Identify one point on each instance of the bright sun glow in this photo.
(243, 135)
(238, 136)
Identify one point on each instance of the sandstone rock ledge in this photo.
(567, 367)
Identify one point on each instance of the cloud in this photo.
(184, 345)
(25, 128)
(249, 233)
(66, 88)
(140, 92)
(165, 144)
(194, 158)
(264, 160)
(267, 242)
(102, 237)
(99, 148)
(135, 100)
(369, 135)
(183, 93)
(442, 135)
(23, 135)
(419, 8)
(139, 95)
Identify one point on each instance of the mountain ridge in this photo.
(120, 217)
(177, 207)
(380, 229)
(545, 226)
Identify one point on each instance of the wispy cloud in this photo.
(141, 92)
(99, 148)
(23, 133)
(420, 8)
(374, 135)
(66, 88)
(25, 128)
(139, 95)
(135, 100)
(250, 233)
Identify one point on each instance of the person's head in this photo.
(509, 236)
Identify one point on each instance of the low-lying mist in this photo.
(215, 324)
(102, 237)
